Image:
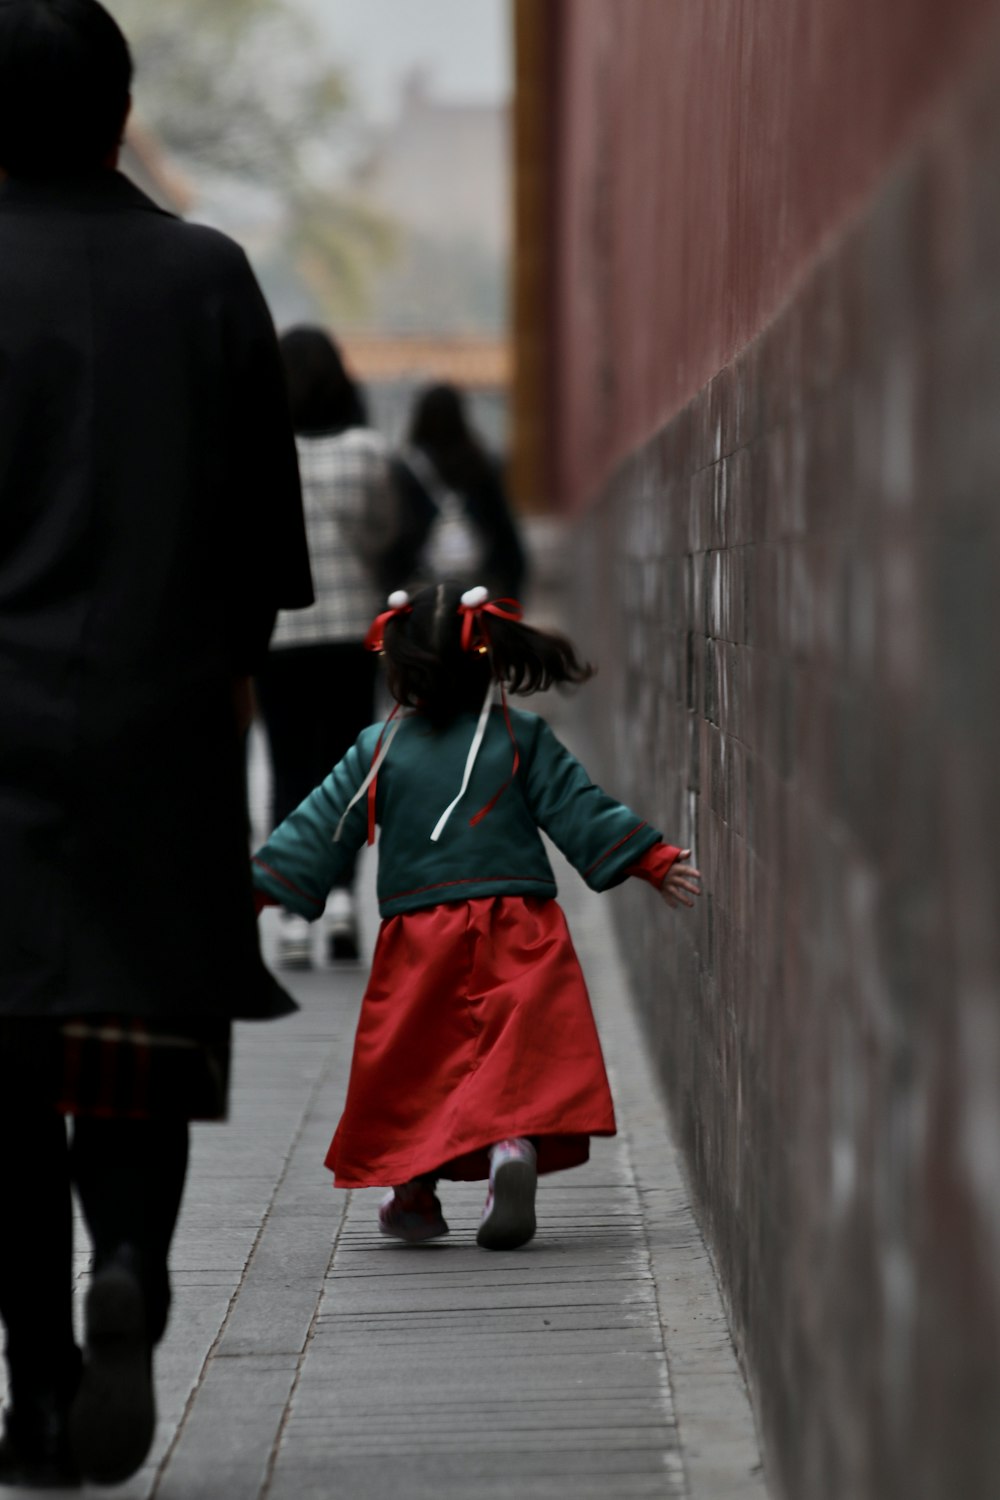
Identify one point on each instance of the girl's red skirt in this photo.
(476, 1025)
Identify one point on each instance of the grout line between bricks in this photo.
(661, 1321)
(272, 1460)
(720, 1446)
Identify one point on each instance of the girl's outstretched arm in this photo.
(600, 836)
(302, 860)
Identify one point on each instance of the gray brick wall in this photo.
(794, 591)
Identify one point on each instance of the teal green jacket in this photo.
(501, 855)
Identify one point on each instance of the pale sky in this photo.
(465, 45)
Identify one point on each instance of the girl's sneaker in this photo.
(509, 1216)
(412, 1212)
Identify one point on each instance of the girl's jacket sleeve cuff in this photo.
(655, 864)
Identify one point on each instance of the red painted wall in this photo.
(776, 296)
(702, 153)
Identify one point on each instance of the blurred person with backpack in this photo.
(457, 521)
(316, 689)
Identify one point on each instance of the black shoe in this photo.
(35, 1451)
(113, 1417)
(341, 928)
(342, 947)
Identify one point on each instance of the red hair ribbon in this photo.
(370, 783)
(473, 605)
(373, 784)
(399, 604)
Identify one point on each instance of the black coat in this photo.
(150, 526)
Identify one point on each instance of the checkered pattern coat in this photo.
(351, 515)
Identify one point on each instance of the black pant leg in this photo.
(315, 701)
(345, 713)
(36, 1252)
(351, 672)
(343, 691)
(285, 710)
(129, 1175)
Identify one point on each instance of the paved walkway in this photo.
(310, 1359)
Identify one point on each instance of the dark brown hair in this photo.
(65, 75)
(322, 396)
(429, 670)
(440, 427)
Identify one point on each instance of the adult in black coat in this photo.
(150, 528)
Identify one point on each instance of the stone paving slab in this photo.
(308, 1358)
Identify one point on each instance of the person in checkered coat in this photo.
(316, 690)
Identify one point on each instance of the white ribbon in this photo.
(470, 761)
(376, 763)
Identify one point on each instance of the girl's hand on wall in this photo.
(683, 882)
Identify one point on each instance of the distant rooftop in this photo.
(472, 363)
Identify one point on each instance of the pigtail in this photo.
(528, 661)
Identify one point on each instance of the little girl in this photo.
(476, 1053)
